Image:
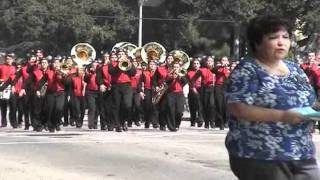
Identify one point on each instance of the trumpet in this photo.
(124, 64)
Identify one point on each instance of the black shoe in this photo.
(146, 126)
(4, 125)
(125, 128)
(137, 124)
(155, 126)
(118, 129)
(26, 128)
(192, 125)
(211, 124)
(65, 124)
(72, 123)
(51, 130)
(110, 129)
(58, 128)
(206, 126)
(96, 127)
(90, 127)
(162, 128)
(130, 124)
(103, 128)
(200, 124)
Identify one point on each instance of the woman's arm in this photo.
(260, 114)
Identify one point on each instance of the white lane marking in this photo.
(106, 141)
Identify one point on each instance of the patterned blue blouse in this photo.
(250, 84)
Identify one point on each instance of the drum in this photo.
(5, 94)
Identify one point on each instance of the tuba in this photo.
(183, 59)
(83, 54)
(153, 51)
(124, 64)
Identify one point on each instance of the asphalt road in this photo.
(73, 154)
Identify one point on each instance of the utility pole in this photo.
(140, 23)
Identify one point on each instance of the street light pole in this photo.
(140, 23)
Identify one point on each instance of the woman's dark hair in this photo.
(263, 25)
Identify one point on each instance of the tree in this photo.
(58, 25)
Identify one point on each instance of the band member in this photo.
(136, 110)
(159, 81)
(222, 72)
(15, 101)
(207, 96)
(77, 96)
(145, 92)
(175, 96)
(194, 95)
(121, 91)
(36, 73)
(25, 93)
(105, 99)
(7, 74)
(54, 95)
(67, 110)
(92, 95)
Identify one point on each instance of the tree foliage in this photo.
(197, 26)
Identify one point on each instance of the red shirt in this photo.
(105, 75)
(38, 74)
(54, 82)
(18, 85)
(176, 86)
(222, 74)
(120, 76)
(77, 85)
(135, 79)
(163, 72)
(197, 82)
(7, 71)
(208, 78)
(92, 84)
(147, 75)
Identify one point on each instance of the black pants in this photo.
(121, 103)
(220, 106)
(175, 109)
(38, 116)
(195, 107)
(93, 107)
(54, 108)
(67, 110)
(3, 107)
(251, 169)
(137, 108)
(208, 104)
(25, 101)
(105, 104)
(13, 107)
(162, 110)
(148, 109)
(78, 108)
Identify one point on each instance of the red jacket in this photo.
(197, 82)
(135, 79)
(222, 74)
(91, 81)
(77, 85)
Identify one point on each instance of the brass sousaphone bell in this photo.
(183, 59)
(83, 54)
(153, 51)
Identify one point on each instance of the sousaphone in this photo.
(183, 59)
(153, 51)
(83, 54)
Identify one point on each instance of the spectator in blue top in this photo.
(266, 139)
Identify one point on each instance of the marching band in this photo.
(129, 85)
